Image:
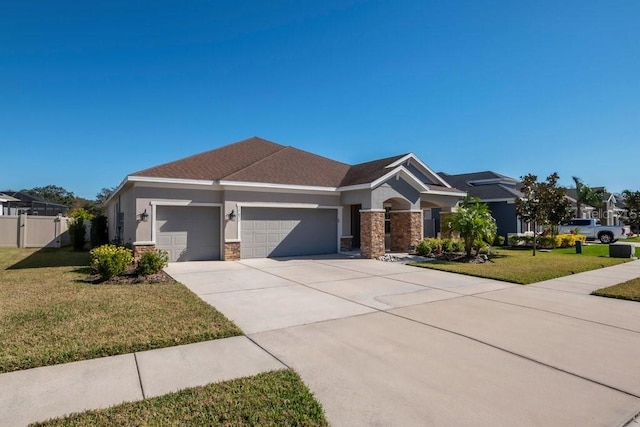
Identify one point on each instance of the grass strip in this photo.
(277, 398)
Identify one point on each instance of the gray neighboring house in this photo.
(256, 198)
(498, 191)
(30, 204)
(609, 213)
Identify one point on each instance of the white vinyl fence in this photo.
(30, 231)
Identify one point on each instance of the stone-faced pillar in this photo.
(406, 230)
(371, 233)
(232, 251)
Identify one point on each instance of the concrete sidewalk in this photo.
(52, 391)
(589, 281)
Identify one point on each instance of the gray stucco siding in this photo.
(396, 189)
(418, 174)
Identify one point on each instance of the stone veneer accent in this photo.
(231, 251)
(346, 244)
(406, 230)
(371, 234)
(138, 250)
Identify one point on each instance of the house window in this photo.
(387, 220)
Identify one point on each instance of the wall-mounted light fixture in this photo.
(144, 216)
(232, 215)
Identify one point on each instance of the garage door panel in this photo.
(188, 233)
(273, 232)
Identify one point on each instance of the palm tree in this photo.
(586, 196)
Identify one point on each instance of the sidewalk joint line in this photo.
(135, 358)
(633, 419)
(268, 352)
(555, 312)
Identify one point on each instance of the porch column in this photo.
(406, 230)
(372, 233)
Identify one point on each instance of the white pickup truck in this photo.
(593, 230)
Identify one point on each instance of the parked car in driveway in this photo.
(593, 230)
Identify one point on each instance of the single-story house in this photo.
(5, 200)
(498, 191)
(256, 198)
(25, 203)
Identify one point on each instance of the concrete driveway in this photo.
(387, 344)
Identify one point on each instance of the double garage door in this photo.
(188, 233)
(276, 232)
(191, 233)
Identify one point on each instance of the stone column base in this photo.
(371, 234)
(138, 250)
(232, 251)
(346, 243)
(406, 231)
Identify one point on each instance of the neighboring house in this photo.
(499, 192)
(256, 198)
(5, 201)
(33, 205)
(609, 213)
(586, 210)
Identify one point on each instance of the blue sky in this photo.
(90, 92)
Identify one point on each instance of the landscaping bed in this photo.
(51, 315)
(275, 398)
(519, 266)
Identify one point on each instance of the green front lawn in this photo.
(519, 266)
(631, 239)
(48, 315)
(628, 290)
(277, 398)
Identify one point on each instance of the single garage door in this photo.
(276, 232)
(188, 233)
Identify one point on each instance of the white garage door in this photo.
(188, 233)
(276, 232)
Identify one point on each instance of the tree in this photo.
(53, 193)
(543, 203)
(586, 196)
(558, 207)
(104, 194)
(474, 223)
(632, 204)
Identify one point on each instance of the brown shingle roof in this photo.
(216, 164)
(368, 172)
(258, 160)
(294, 167)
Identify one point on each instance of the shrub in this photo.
(110, 260)
(425, 247)
(99, 231)
(548, 241)
(458, 246)
(152, 262)
(77, 230)
(433, 245)
(569, 240)
(447, 245)
(498, 241)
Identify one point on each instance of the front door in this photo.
(355, 225)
